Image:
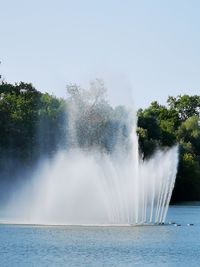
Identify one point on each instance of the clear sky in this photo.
(151, 47)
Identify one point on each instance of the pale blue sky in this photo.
(151, 47)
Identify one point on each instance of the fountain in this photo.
(85, 185)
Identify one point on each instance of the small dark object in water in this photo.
(176, 224)
(190, 224)
(172, 223)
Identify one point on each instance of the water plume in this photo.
(100, 177)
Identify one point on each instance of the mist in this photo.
(98, 176)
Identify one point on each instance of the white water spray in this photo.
(94, 187)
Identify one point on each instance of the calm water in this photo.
(105, 246)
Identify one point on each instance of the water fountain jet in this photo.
(84, 185)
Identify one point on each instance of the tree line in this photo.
(35, 125)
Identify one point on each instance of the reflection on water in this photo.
(105, 246)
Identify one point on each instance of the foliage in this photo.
(35, 124)
(179, 122)
(28, 120)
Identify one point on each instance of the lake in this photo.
(168, 245)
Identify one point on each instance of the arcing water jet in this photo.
(100, 177)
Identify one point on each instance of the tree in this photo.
(185, 105)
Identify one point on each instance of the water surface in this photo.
(22, 245)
